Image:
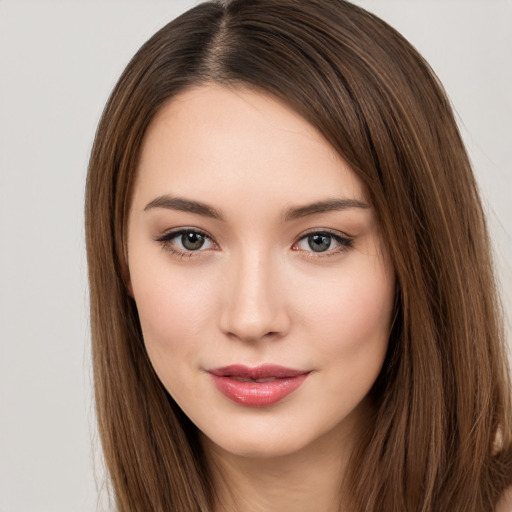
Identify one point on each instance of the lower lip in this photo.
(257, 394)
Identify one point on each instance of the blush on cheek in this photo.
(171, 298)
(355, 320)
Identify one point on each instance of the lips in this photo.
(261, 386)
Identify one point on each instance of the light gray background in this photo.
(58, 63)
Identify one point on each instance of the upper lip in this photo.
(264, 371)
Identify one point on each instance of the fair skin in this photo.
(251, 242)
(505, 503)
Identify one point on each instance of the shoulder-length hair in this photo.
(440, 439)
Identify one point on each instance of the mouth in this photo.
(261, 386)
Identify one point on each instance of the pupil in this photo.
(319, 243)
(192, 241)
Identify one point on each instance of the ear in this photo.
(125, 273)
(128, 284)
(121, 246)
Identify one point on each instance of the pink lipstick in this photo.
(261, 386)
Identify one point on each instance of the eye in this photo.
(186, 241)
(323, 242)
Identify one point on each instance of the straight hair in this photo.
(440, 436)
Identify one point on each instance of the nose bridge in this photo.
(254, 307)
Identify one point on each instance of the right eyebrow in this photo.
(184, 205)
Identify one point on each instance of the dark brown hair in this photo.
(440, 439)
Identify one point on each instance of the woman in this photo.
(292, 297)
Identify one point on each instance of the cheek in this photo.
(353, 315)
(174, 308)
(352, 327)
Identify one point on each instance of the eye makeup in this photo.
(321, 243)
(186, 242)
(192, 242)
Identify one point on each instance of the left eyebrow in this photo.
(329, 205)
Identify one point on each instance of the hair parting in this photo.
(440, 438)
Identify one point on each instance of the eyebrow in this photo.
(199, 208)
(330, 205)
(184, 205)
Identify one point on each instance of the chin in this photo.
(255, 447)
(274, 438)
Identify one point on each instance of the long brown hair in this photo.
(440, 439)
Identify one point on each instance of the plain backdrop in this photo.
(58, 62)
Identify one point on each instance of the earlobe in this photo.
(125, 272)
(122, 251)
(128, 285)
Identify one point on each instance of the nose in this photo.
(255, 306)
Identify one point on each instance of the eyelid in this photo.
(166, 241)
(345, 242)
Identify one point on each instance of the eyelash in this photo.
(167, 238)
(344, 243)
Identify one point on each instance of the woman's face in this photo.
(263, 288)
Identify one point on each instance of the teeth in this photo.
(242, 379)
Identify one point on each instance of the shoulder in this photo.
(505, 503)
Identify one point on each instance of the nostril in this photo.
(254, 307)
(251, 337)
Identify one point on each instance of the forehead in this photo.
(214, 141)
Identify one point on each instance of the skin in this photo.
(505, 503)
(257, 293)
